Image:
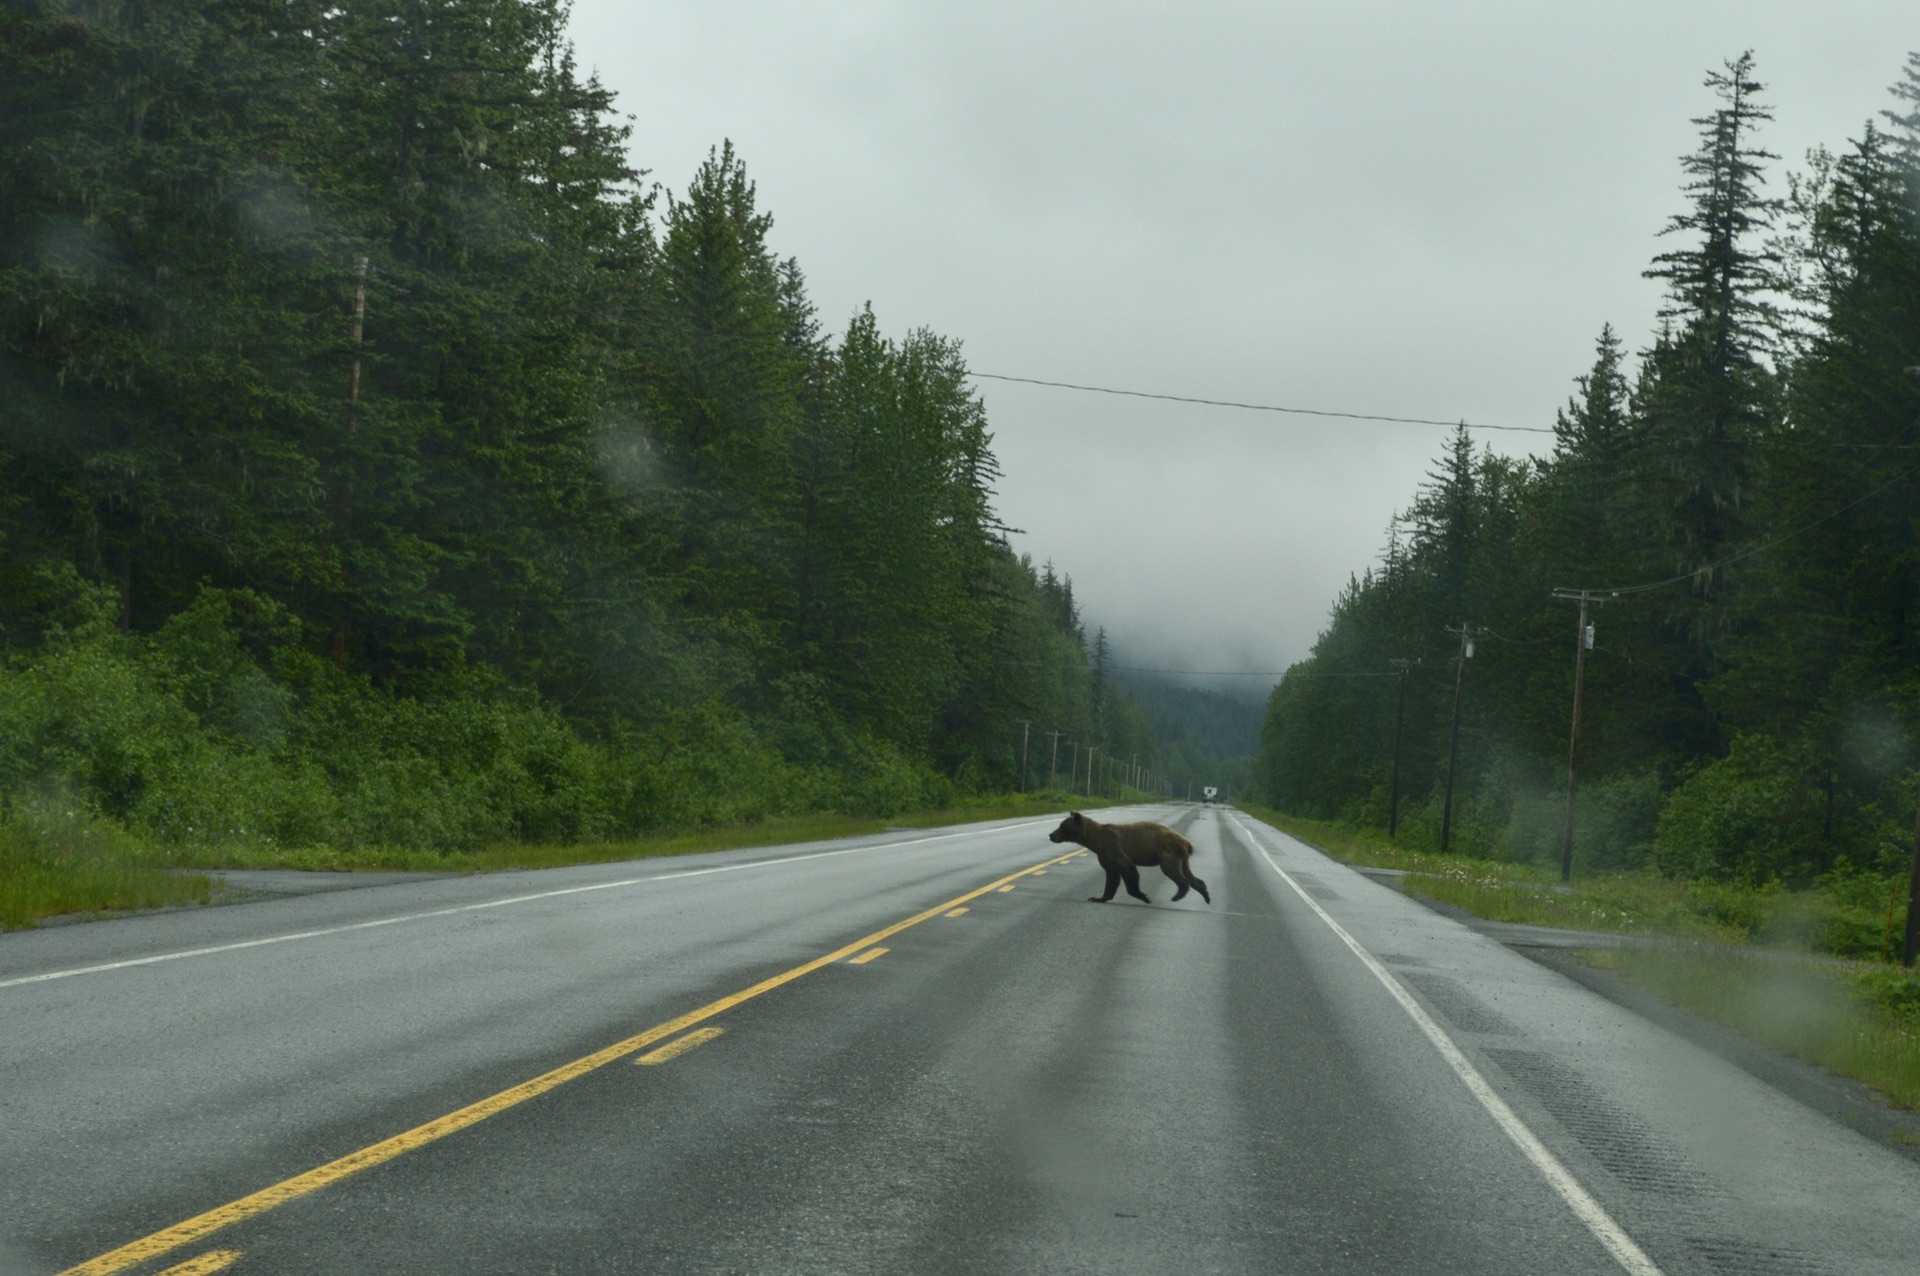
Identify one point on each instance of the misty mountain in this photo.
(1200, 737)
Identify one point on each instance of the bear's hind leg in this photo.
(1177, 874)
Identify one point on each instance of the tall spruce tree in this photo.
(1711, 394)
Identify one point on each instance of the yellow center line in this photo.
(871, 953)
(679, 1045)
(211, 1261)
(1006, 888)
(954, 912)
(257, 1203)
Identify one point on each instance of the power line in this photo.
(1257, 407)
(1765, 543)
(1203, 673)
(1773, 441)
(1484, 632)
(1243, 673)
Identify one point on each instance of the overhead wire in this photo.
(1204, 673)
(1772, 441)
(1765, 543)
(1254, 407)
(1481, 631)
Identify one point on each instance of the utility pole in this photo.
(1026, 725)
(1453, 736)
(359, 330)
(1582, 643)
(1399, 718)
(357, 333)
(1053, 764)
(1912, 940)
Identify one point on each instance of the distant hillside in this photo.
(1201, 737)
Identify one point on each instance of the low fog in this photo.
(1374, 207)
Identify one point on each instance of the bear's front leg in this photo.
(1113, 884)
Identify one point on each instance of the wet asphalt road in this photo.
(1036, 1084)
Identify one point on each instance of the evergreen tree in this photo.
(1711, 395)
(724, 385)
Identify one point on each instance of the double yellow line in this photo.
(201, 1226)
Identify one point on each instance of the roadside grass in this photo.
(1857, 1021)
(1843, 918)
(53, 866)
(1800, 971)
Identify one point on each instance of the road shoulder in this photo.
(1842, 1099)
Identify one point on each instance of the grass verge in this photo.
(1858, 1021)
(65, 864)
(1841, 918)
(1800, 971)
(50, 866)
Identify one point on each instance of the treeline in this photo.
(1744, 501)
(1201, 738)
(383, 460)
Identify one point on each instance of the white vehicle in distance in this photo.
(1209, 794)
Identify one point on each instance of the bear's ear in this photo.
(1074, 815)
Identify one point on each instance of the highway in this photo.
(915, 1052)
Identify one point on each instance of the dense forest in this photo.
(1200, 737)
(384, 459)
(1742, 501)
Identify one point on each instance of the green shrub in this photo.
(86, 717)
(223, 732)
(1742, 816)
(209, 795)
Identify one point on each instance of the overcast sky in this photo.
(1407, 209)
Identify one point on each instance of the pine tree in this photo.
(1834, 629)
(726, 366)
(1446, 531)
(1711, 394)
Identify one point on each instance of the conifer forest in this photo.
(385, 460)
(1738, 495)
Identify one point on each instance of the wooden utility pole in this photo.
(1912, 941)
(1053, 763)
(1453, 736)
(1399, 719)
(1582, 643)
(356, 333)
(1026, 725)
(359, 329)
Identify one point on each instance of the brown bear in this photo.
(1123, 849)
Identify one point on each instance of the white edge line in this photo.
(157, 958)
(1585, 1208)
